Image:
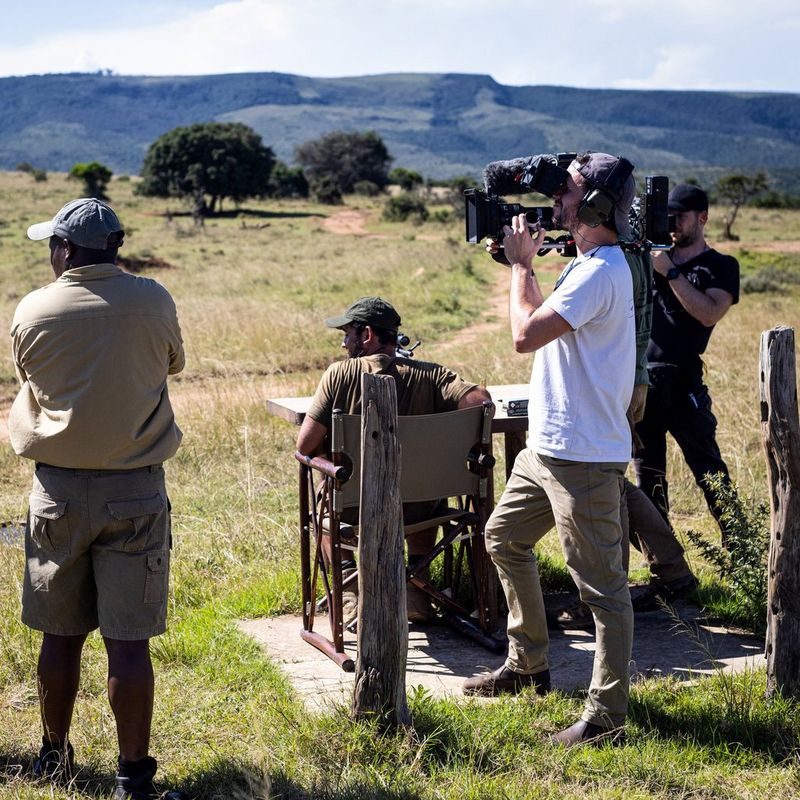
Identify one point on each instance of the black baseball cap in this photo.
(368, 311)
(687, 197)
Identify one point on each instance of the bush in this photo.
(775, 199)
(95, 177)
(326, 190)
(346, 157)
(39, 175)
(400, 208)
(742, 566)
(455, 194)
(406, 179)
(24, 166)
(366, 188)
(287, 181)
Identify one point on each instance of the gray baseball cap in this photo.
(86, 222)
(614, 175)
(368, 311)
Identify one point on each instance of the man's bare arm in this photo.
(311, 439)
(474, 397)
(532, 326)
(707, 307)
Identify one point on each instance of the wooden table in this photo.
(293, 409)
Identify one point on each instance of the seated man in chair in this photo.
(370, 328)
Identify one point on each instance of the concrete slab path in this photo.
(440, 659)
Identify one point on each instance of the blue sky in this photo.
(738, 45)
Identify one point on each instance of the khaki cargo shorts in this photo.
(97, 552)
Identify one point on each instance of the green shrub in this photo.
(403, 207)
(24, 166)
(742, 565)
(326, 190)
(39, 175)
(95, 177)
(406, 179)
(285, 181)
(366, 188)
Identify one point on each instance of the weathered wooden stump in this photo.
(780, 429)
(382, 623)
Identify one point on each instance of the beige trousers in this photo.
(584, 500)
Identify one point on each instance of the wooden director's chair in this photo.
(445, 455)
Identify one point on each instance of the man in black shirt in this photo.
(694, 286)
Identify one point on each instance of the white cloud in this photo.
(611, 43)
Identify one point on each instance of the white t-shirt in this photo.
(581, 383)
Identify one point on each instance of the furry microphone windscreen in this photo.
(503, 177)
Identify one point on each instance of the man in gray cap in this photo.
(693, 289)
(370, 327)
(579, 441)
(92, 351)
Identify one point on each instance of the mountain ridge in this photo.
(440, 124)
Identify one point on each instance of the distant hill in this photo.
(439, 124)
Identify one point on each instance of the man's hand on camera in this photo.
(495, 250)
(662, 263)
(519, 246)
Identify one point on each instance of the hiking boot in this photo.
(55, 762)
(505, 681)
(655, 595)
(134, 781)
(577, 616)
(418, 605)
(586, 733)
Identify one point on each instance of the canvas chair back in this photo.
(434, 452)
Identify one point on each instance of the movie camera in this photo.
(487, 213)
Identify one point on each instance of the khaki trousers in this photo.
(584, 500)
(650, 533)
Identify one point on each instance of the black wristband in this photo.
(672, 273)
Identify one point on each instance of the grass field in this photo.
(252, 289)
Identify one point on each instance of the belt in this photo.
(98, 472)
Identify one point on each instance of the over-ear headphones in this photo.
(599, 202)
(595, 208)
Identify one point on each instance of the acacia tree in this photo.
(346, 157)
(736, 189)
(207, 162)
(95, 177)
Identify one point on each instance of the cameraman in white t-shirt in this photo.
(579, 442)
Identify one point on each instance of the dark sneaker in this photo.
(55, 762)
(578, 616)
(134, 781)
(583, 733)
(654, 596)
(506, 681)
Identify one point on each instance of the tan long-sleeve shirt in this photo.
(92, 351)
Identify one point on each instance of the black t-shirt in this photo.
(676, 336)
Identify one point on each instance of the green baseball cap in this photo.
(368, 311)
(86, 222)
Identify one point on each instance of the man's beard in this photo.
(681, 240)
(559, 221)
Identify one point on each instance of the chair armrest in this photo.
(323, 465)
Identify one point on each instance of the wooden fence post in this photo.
(780, 429)
(380, 685)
